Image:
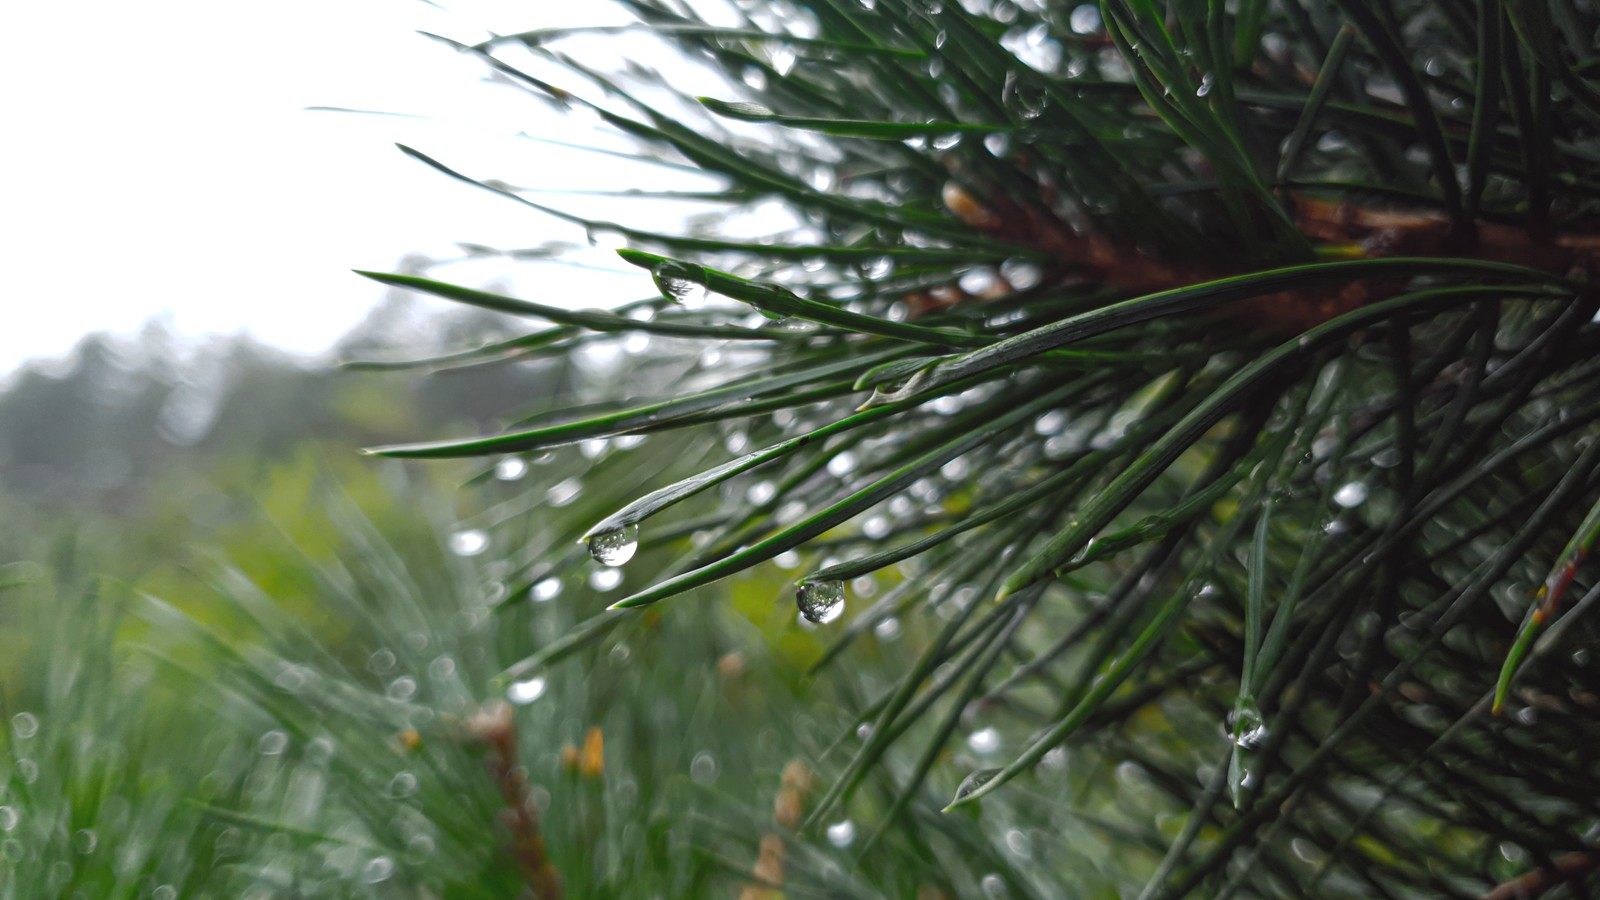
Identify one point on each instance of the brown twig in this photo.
(1563, 869)
(495, 727)
(1356, 229)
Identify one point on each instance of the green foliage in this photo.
(1240, 353)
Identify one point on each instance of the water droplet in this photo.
(1351, 495)
(973, 782)
(681, 282)
(876, 527)
(469, 542)
(782, 58)
(842, 464)
(164, 892)
(547, 590)
(1085, 19)
(9, 817)
(273, 743)
(524, 692)
(820, 601)
(946, 141)
(380, 661)
(1387, 458)
(510, 469)
(842, 834)
(887, 630)
(1021, 274)
(788, 559)
(869, 4)
(977, 282)
(604, 580)
(563, 492)
(761, 492)
(1022, 96)
(402, 688)
(754, 78)
(402, 785)
(85, 840)
(1207, 82)
(703, 768)
(984, 741)
(615, 547)
(997, 144)
(442, 668)
(1246, 727)
(878, 267)
(993, 886)
(378, 869)
(24, 725)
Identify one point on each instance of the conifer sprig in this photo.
(1244, 356)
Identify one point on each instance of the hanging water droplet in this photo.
(1351, 495)
(782, 58)
(615, 547)
(842, 834)
(997, 144)
(946, 141)
(754, 77)
(1246, 726)
(984, 741)
(973, 782)
(681, 282)
(1022, 96)
(792, 325)
(524, 692)
(820, 601)
(469, 542)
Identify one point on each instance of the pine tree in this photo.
(1201, 384)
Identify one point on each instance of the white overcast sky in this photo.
(158, 160)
